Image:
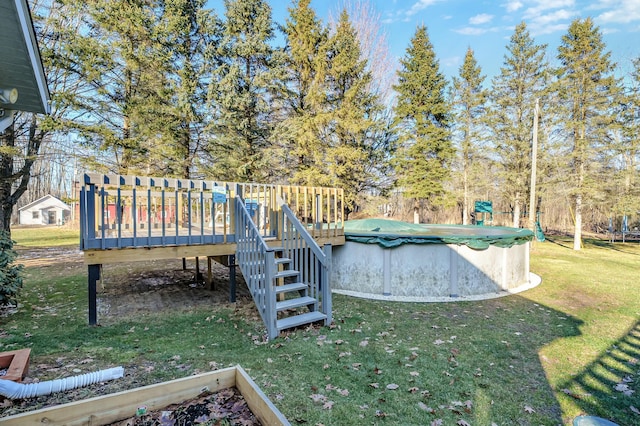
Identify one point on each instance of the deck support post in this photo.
(209, 280)
(94, 276)
(232, 278)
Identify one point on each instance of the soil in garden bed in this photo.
(225, 407)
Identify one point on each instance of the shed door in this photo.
(52, 217)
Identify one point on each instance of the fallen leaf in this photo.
(529, 409)
(413, 389)
(377, 370)
(437, 422)
(318, 397)
(343, 392)
(414, 373)
(438, 342)
(392, 386)
(426, 408)
(374, 385)
(364, 343)
(462, 423)
(634, 409)
(328, 405)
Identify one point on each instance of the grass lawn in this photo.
(570, 346)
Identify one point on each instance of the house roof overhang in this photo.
(20, 62)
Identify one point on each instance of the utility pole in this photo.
(534, 161)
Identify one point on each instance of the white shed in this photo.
(47, 210)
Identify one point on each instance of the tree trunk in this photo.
(465, 197)
(577, 235)
(10, 192)
(516, 211)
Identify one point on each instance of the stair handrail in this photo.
(257, 264)
(323, 255)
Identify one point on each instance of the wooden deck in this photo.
(130, 218)
(124, 212)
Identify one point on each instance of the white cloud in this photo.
(548, 29)
(550, 16)
(405, 15)
(513, 5)
(620, 11)
(558, 15)
(474, 31)
(419, 5)
(480, 19)
(540, 6)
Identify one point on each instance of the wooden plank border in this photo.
(111, 408)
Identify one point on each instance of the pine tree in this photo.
(586, 88)
(523, 78)
(469, 100)
(242, 91)
(423, 120)
(188, 32)
(351, 108)
(116, 56)
(305, 95)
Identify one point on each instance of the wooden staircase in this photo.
(289, 284)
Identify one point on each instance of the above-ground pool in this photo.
(402, 261)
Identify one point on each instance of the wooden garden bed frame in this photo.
(122, 405)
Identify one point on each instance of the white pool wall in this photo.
(429, 270)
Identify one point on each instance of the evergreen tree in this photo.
(242, 91)
(305, 94)
(469, 100)
(116, 56)
(351, 108)
(626, 146)
(523, 78)
(189, 33)
(423, 120)
(586, 90)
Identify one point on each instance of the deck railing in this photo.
(257, 263)
(313, 262)
(130, 211)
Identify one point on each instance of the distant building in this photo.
(47, 210)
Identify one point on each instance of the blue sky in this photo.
(487, 25)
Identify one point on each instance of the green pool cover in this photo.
(393, 233)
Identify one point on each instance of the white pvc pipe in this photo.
(13, 390)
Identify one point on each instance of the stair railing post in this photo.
(327, 308)
(270, 308)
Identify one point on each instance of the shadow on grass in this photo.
(593, 242)
(611, 383)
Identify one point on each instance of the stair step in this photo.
(280, 274)
(295, 303)
(282, 260)
(290, 287)
(286, 273)
(296, 320)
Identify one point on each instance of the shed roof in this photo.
(20, 63)
(52, 201)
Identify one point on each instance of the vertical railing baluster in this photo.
(103, 233)
(134, 215)
(119, 216)
(149, 220)
(163, 213)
